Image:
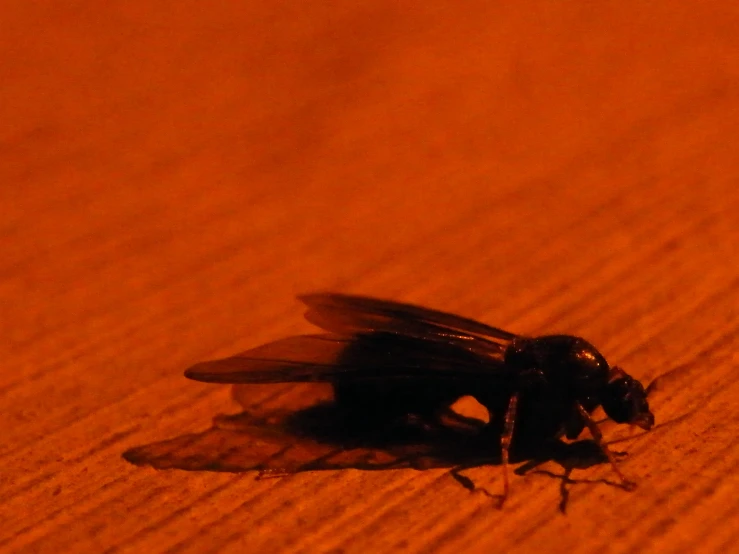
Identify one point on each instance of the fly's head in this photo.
(624, 400)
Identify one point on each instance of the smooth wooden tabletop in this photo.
(174, 174)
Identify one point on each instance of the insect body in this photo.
(388, 360)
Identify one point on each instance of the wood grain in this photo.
(173, 174)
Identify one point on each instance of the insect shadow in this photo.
(319, 436)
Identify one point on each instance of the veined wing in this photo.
(348, 314)
(327, 358)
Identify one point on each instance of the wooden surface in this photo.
(173, 174)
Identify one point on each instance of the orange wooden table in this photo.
(171, 176)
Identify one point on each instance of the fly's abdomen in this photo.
(384, 401)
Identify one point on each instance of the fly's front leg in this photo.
(598, 438)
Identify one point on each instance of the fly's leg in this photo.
(598, 438)
(505, 442)
(505, 446)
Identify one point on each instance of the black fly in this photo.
(389, 361)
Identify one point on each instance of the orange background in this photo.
(172, 174)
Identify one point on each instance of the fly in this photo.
(390, 362)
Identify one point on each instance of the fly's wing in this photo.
(328, 358)
(303, 358)
(347, 314)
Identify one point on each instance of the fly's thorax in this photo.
(565, 361)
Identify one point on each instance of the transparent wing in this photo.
(303, 358)
(326, 358)
(347, 314)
